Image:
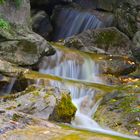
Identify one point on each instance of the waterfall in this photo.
(68, 22)
(73, 65)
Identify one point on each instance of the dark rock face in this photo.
(127, 19)
(121, 112)
(107, 40)
(41, 24)
(106, 5)
(136, 46)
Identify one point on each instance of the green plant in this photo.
(17, 2)
(4, 24)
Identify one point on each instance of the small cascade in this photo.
(77, 66)
(70, 21)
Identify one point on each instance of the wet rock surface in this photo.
(120, 111)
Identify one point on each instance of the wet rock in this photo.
(45, 103)
(117, 65)
(51, 131)
(41, 24)
(120, 111)
(106, 40)
(136, 46)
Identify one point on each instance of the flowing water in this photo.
(69, 21)
(78, 66)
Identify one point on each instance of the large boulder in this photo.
(107, 40)
(136, 46)
(18, 44)
(42, 102)
(120, 111)
(41, 24)
(128, 18)
(23, 47)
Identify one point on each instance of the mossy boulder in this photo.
(120, 111)
(43, 103)
(107, 40)
(64, 111)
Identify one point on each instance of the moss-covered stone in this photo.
(64, 110)
(106, 40)
(120, 111)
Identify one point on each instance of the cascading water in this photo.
(78, 67)
(69, 21)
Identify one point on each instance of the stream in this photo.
(77, 66)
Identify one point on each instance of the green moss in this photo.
(107, 38)
(4, 24)
(65, 110)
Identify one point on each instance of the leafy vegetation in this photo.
(4, 24)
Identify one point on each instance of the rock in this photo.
(117, 65)
(44, 103)
(9, 69)
(120, 111)
(106, 40)
(11, 120)
(16, 13)
(41, 24)
(47, 4)
(127, 19)
(36, 129)
(64, 111)
(18, 44)
(23, 47)
(136, 46)
(105, 5)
